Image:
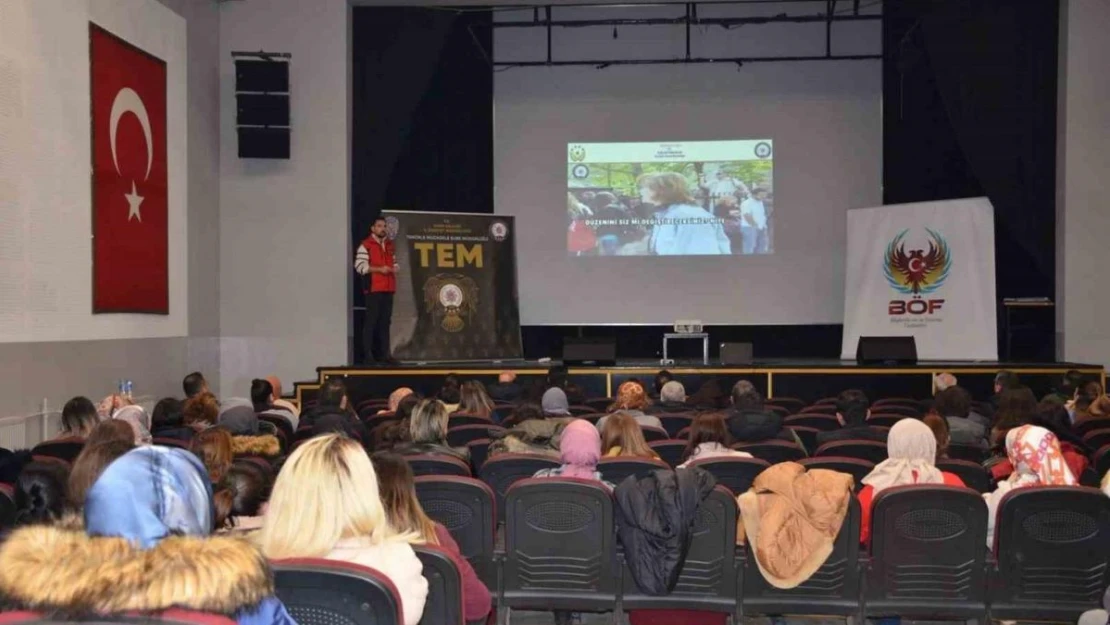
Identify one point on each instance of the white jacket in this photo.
(713, 450)
(397, 561)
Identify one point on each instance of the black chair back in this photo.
(462, 418)
(1097, 439)
(673, 423)
(773, 451)
(928, 554)
(599, 404)
(281, 424)
(560, 546)
(670, 451)
(62, 448)
(974, 476)
(825, 409)
(427, 464)
(707, 580)
(1101, 460)
(807, 435)
(855, 467)
(653, 434)
(871, 451)
(444, 604)
(818, 421)
(614, 470)
(904, 409)
(463, 435)
(735, 474)
(502, 412)
(7, 505)
(971, 453)
(503, 470)
(885, 419)
(316, 591)
(465, 506)
(1053, 550)
(790, 403)
(833, 589)
(479, 452)
(1089, 425)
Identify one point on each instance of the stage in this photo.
(804, 379)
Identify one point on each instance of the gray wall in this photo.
(1083, 216)
(58, 370)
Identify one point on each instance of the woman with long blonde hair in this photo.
(398, 490)
(325, 504)
(473, 399)
(622, 436)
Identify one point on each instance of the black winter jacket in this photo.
(655, 519)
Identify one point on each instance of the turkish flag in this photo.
(129, 178)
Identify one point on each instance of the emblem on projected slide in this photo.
(916, 272)
(763, 149)
(577, 153)
(452, 299)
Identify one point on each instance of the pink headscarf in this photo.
(580, 449)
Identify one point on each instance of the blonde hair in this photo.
(327, 491)
(668, 187)
(622, 430)
(428, 422)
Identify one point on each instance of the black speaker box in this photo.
(736, 353)
(261, 109)
(262, 76)
(256, 142)
(583, 351)
(886, 350)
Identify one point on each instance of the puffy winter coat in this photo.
(655, 519)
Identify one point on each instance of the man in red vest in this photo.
(375, 258)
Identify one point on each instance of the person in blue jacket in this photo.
(682, 226)
(146, 547)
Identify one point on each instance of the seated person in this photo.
(275, 383)
(326, 504)
(168, 420)
(507, 388)
(954, 405)
(554, 402)
(672, 399)
(333, 407)
(245, 492)
(474, 400)
(750, 422)
(939, 426)
(912, 460)
(428, 432)
(709, 438)
(40, 494)
(579, 452)
(1035, 454)
(79, 417)
(633, 401)
(622, 436)
(852, 410)
(263, 400)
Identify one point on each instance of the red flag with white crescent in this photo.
(129, 177)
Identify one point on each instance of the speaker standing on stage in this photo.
(375, 257)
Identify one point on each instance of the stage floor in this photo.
(805, 379)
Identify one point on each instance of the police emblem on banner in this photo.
(452, 300)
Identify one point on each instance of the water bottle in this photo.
(127, 388)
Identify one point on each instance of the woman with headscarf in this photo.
(1035, 454)
(579, 451)
(145, 548)
(137, 418)
(554, 402)
(912, 452)
(632, 399)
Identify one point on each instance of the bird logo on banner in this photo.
(917, 271)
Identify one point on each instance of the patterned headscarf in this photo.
(137, 418)
(630, 396)
(912, 450)
(1037, 459)
(110, 404)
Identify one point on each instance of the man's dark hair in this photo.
(78, 413)
(377, 219)
(1072, 382)
(261, 393)
(662, 378)
(746, 397)
(193, 384)
(852, 405)
(168, 412)
(1007, 380)
(953, 401)
(557, 377)
(331, 393)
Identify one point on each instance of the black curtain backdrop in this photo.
(422, 108)
(970, 109)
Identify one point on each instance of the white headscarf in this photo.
(137, 418)
(912, 452)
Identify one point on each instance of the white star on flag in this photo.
(133, 201)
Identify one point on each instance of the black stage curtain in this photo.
(422, 109)
(970, 109)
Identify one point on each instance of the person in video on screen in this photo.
(580, 236)
(753, 222)
(684, 228)
(723, 185)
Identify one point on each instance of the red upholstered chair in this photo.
(427, 464)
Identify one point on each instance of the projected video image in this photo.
(670, 199)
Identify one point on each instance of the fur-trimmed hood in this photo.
(56, 570)
(262, 445)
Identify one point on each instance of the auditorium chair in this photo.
(707, 578)
(672, 423)
(825, 401)
(834, 589)
(973, 474)
(614, 470)
(670, 451)
(467, 508)
(444, 604)
(282, 425)
(928, 554)
(1089, 425)
(7, 505)
(791, 404)
(871, 451)
(502, 412)
(897, 409)
(683, 434)
(855, 467)
(317, 591)
(885, 419)
(376, 420)
(808, 436)
(173, 616)
(825, 409)
(971, 453)
(560, 547)
(166, 441)
(580, 410)
(652, 433)
(462, 418)
(378, 404)
(816, 420)
(779, 410)
(1052, 546)
(463, 435)
(897, 401)
(503, 470)
(773, 451)
(599, 404)
(428, 464)
(1101, 460)
(64, 448)
(593, 417)
(1097, 439)
(735, 474)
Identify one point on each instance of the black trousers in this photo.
(375, 326)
